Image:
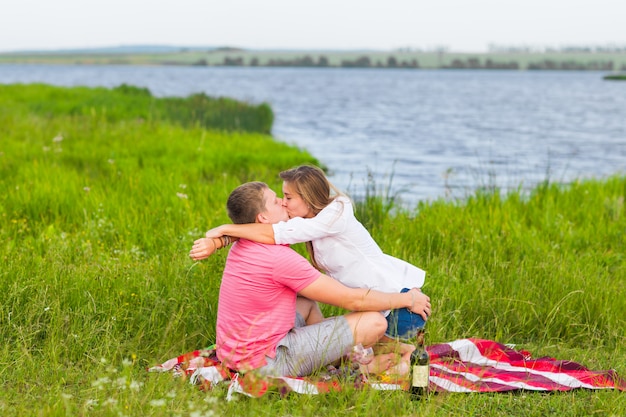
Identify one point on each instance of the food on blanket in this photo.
(362, 355)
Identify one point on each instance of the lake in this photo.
(420, 134)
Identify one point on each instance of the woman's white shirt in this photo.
(345, 250)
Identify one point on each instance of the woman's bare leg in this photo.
(309, 309)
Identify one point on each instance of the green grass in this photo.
(615, 77)
(137, 104)
(98, 210)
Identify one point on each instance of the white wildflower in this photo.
(110, 401)
(210, 400)
(91, 403)
(158, 403)
(58, 138)
(135, 385)
(101, 382)
(120, 382)
(181, 195)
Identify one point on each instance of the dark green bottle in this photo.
(420, 371)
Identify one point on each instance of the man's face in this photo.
(274, 210)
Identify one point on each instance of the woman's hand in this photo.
(202, 249)
(420, 303)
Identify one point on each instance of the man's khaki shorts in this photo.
(306, 349)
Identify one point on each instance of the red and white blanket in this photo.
(465, 365)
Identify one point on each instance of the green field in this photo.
(102, 193)
(599, 61)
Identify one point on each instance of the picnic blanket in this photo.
(464, 365)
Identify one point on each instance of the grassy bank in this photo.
(98, 212)
(129, 103)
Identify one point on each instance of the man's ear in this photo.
(261, 218)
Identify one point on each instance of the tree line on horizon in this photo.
(391, 61)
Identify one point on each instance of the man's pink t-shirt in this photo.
(257, 301)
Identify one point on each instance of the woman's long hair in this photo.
(311, 184)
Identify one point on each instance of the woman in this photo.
(338, 243)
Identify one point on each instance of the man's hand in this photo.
(202, 249)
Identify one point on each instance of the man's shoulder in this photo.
(264, 247)
(267, 253)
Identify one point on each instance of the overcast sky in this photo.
(460, 25)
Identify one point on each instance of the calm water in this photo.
(430, 134)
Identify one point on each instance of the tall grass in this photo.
(543, 269)
(97, 215)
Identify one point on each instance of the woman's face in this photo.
(296, 207)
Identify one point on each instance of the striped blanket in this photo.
(465, 365)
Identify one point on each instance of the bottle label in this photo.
(420, 375)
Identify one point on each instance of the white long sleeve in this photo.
(346, 250)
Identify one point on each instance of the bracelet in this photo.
(226, 240)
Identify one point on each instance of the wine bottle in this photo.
(420, 371)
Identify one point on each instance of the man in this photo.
(258, 300)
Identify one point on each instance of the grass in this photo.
(615, 77)
(97, 215)
(137, 104)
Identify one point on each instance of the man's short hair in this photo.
(246, 202)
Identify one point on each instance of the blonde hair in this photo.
(311, 184)
(246, 202)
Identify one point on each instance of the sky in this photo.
(458, 25)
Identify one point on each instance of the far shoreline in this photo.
(397, 59)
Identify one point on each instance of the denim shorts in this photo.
(402, 323)
(306, 349)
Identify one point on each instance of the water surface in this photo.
(428, 133)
